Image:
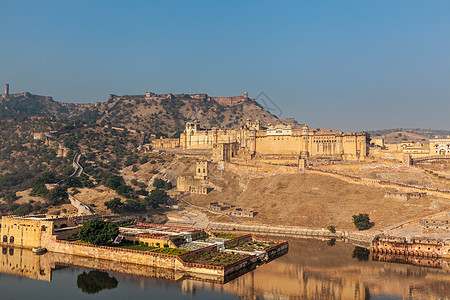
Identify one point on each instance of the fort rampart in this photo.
(380, 183)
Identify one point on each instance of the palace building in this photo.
(255, 141)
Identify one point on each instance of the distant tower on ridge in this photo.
(6, 89)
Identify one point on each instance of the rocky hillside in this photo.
(169, 115)
(158, 114)
(408, 134)
(26, 104)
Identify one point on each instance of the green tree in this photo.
(162, 184)
(57, 195)
(134, 205)
(114, 181)
(362, 221)
(114, 205)
(156, 198)
(126, 191)
(73, 182)
(10, 197)
(98, 232)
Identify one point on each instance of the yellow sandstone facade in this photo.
(440, 146)
(254, 140)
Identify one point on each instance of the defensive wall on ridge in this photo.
(380, 183)
(259, 168)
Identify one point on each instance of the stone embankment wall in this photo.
(259, 169)
(130, 256)
(76, 165)
(361, 238)
(439, 175)
(83, 209)
(273, 230)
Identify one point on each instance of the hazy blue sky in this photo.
(348, 65)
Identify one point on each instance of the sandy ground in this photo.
(24, 197)
(97, 197)
(315, 200)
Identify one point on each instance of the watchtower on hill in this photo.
(201, 170)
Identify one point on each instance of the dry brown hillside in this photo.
(169, 116)
(314, 200)
(402, 136)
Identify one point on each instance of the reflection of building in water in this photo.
(23, 263)
(313, 270)
(428, 262)
(192, 243)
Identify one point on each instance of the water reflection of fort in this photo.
(311, 270)
(22, 262)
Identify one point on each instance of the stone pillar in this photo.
(301, 164)
(6, 89)
(407, 160)
(304, 153)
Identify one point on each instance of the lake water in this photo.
(312, 269)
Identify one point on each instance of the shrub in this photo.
(361, 221)
(114, 205)
(162, 184)
(332, 228)
(156, 198)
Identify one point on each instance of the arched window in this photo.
(5, 239)
(11, 240)
(43, 228)
(4, 250)
(11, 251)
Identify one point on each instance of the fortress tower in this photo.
(201, 170)
(6, 90)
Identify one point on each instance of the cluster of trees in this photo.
(26, 162)
(154, 199)
(98, 232)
